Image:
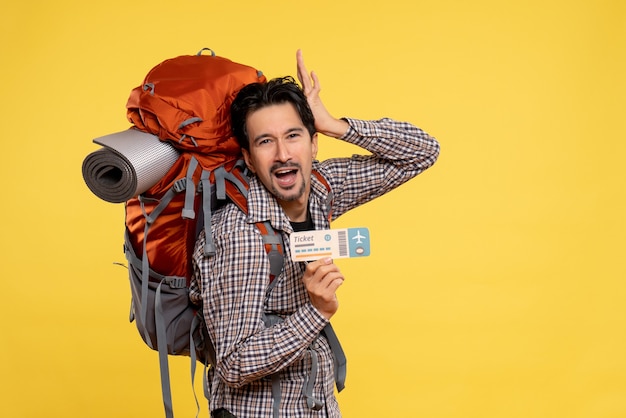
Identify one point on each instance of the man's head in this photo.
(276, 131)
(258, 95)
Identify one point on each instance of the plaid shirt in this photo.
(232, 285)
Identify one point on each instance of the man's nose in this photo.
(282, 151)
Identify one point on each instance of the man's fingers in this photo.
(303, 74)
(324, 275)
(316, 82)
(331, 279)
(313, 266)
(310, 82)
(322, 279)
(335, 283)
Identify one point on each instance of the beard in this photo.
(299, 188)
(291, 197)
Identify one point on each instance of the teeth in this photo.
(283, 171)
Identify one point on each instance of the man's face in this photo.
(281, 154)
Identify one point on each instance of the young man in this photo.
(286, 368)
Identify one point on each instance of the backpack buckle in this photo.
(177, 282)
(180, 185)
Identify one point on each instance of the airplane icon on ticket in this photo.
(359, 238)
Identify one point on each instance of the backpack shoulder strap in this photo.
(329, 199)
(234, 184)
(273, 242)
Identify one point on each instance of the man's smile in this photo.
(286, 176)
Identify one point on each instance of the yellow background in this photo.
(496, 284)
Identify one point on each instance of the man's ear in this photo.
(314, 145)
(246, 158)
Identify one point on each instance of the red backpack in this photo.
(185, 102)
(182, 151)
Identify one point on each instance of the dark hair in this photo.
(259, 95)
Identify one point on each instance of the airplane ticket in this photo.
(333, 243)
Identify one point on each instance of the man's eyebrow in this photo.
(261, 136)
(296, 129)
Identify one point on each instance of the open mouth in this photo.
(286, 176)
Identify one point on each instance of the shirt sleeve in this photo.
(399, 152)
(234, 283)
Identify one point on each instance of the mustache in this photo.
(287, 165)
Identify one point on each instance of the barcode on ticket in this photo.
(343, 243)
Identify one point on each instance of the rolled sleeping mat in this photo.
(129, 163)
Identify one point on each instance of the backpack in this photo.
(184, 102)
(165, 229)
